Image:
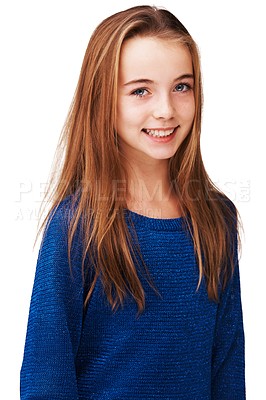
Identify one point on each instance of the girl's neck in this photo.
(149, 192)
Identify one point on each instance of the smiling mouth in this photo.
(159, 132)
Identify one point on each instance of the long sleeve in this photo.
(228, 371)
(55, 318)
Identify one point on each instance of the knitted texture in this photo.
(183, 346)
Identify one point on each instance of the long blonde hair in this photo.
(91, 165)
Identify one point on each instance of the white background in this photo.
(42, 47)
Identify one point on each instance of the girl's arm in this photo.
(55, 318)
(228, 365)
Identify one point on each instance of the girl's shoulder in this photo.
(63, 211)
(57, 230)
(225, 205)
(58, 220)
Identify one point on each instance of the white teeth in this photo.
(159, 133)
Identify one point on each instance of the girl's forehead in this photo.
(152, 56)
(141, 44)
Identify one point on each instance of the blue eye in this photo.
(140, 92)
(182, 87)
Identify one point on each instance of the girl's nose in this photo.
(163, 108)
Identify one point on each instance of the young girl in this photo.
(136, 293)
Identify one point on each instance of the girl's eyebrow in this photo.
(184, 76)
(149, 81)
(134, 81)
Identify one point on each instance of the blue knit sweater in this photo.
(183, 346)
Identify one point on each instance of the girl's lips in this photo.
(159, 132)
(161, 135)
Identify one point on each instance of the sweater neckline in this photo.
(152, 223)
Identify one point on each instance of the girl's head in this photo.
(93, 118)
(155, 110)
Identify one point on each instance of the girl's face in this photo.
(156, 103)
